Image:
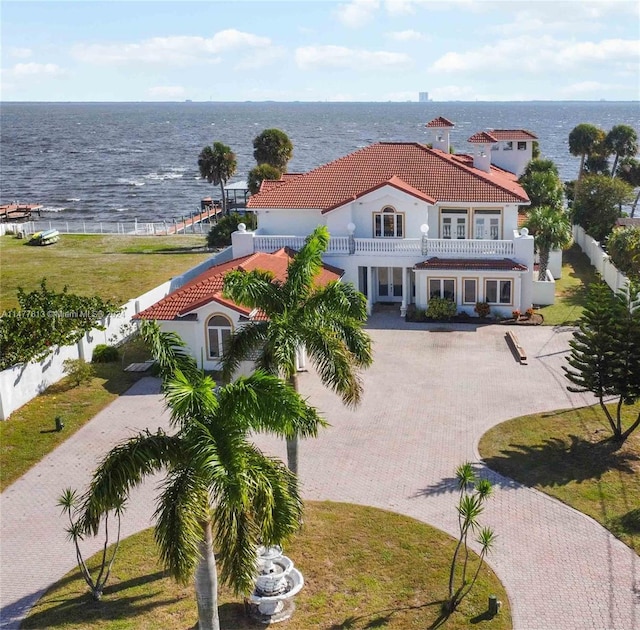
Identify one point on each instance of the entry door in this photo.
(390, 284)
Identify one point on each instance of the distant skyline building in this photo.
(423, 97)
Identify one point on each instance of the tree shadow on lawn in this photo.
(84, 609)
(557, 462)
(382, 618)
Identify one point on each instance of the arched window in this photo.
(388, 223)
(219, 329)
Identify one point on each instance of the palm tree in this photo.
(629, 172)
(551, 228)
(622, 141)
(541, 181)
(584, 140)
(324, 321)
(217, 165)
(273, 147)
(220, 490)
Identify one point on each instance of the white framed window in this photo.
(469, 290)
(219, 329)
(388, 223)
(498, 291)
(508, 145)
(522, 146)
(442, 288)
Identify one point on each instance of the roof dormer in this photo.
(439, 130)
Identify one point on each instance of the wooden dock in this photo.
(206, 216)
(16, 212)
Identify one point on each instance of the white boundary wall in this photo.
(599, 259)
(21, 383)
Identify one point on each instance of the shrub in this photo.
(441, 308)
(220, 233)
(78, 370)
(623, 246)
(516, 314)
(105, 354)
(483, 309)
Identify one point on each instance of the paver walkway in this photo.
(429, 397)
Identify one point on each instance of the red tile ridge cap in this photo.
(482, 137)
(440, 121)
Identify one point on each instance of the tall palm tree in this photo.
(220, 490)
(541, 181)
(585, 139)
(622, 141)
(551, 228)
(629, 172)
(217, 165)
(325, 321)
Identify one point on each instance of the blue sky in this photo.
(357, 50)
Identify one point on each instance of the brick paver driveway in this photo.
(430, 395)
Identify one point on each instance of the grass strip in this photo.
(568, 455)
(363, 568)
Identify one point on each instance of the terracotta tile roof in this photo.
(207, 287)
(482, 137)
(440, 122)
(471, 264)
(628, 222)
(513, 134)
(434, 174)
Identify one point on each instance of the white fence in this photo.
(599, 259)
(21, 383)
(140, 228)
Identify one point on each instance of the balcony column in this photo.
(369, 281)
(405, 292)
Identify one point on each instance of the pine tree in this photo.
(605, 352)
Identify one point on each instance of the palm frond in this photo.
(190, 397)
(169, 351)
(242, 344)
(123, 468)
(254, 289)
(305, 266)
(264, 403)
(338, 299)
(182, 507)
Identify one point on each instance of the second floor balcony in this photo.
(350, 246)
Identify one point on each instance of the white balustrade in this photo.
(455, 247)
(388, 246)
(273, 243)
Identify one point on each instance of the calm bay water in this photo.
(121, 161)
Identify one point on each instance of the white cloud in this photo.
(310, 57)
(173, 50)
(261, 58)
(406, 36)
(20, 53)
(357, 12)
(32, 69)
(538, 54)
(166, 92)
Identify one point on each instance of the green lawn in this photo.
(567, 454)
(28, 435)
(363, 568)
(571, 289)
(114, 267)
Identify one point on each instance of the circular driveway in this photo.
(429, 396)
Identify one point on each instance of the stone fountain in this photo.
(277, 582)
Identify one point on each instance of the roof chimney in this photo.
(439, 129)
(482, 150)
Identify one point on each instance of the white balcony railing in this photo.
(392, 246)
(444, 248)
(451, 248)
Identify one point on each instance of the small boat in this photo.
(48, 237)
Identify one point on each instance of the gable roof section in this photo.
(482, 137)
(207, 287)
(475, 264)
(512, 134)
(432, 173)
(440, 121)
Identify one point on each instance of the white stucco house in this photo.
(408, 222)
(204, 319)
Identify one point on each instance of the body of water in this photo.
(126, 161)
